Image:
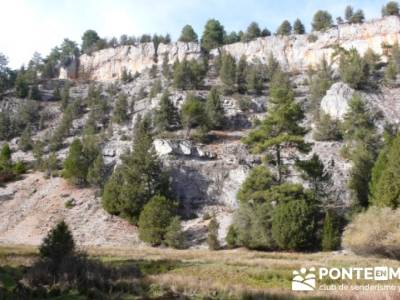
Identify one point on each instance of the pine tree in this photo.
(330, 233)
(192, 113)
(322, 20)
(51, 164)
(327, 129)
(120, 114)
(174, 236)
(212, 237)
(65, 97)
(213, 35)
(227, 72)
(57, 245)
(254, 79)
(285, 28)
(137, 179)
(280, 129)
(76, 165)
(241, 72)
(298, 27)
(97, 172)
(188, 35)
(214, 110)
(353, 69)
(25, 142)
(165, 69)
(167, 116)
(390, 9)
(348, 13)
(154, 220)
(391, 72)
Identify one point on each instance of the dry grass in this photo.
(264, 275)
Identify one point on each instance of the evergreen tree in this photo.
(89, 40)
(76, 165)
(167, 116)
(294, 225)
(137, 179)
(284, 29)
(212, 237)
(327, 129)
(353, 69)
(254, 79)
(298, 27)
(214, 110)
(348, 13)
(385, 183)
(330, 233)
(192, 113)
(280, 129)
(37, 152)
(188, 35)
(358, 17)
(25, 142)
(57, 245)
(165, 69)
(21, 85)
(65, 98)
(188, 74)
(154, 220)
(314, 172)
(97, 172)
(120, 114)
(156, 88)
(320, 82)
(174, 236)
(227, 72)
(322, 20)
(391, 72)
(259, 180)
(51, 164)
(241, 72)
(253, 31)
(213, 35)
(390, 9)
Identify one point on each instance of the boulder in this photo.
(336, 101)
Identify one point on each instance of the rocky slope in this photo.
(294, 52)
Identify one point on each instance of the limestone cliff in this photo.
(294, 52)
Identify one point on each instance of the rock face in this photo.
(335, 102)
(294, 53)
(298, 52)
(108, 64)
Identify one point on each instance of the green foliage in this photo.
(353, 69)
(322, 20)
(89, 40)
(231, 237)
(174, 236)
(126, 76)
(51, 164)
(188, 74)
(254, 79)
(298, 27)
(188, 34)
(21, 85)
(280, 129)
(76, 165)
(257, 182)
(294, 225)
(213, 35)
(390, 9)
(37, 152)
(214, 110)
(193, 113)
(227, 72)
(391, 72)
(166, 116)
(320, 82)
(156, 88)
(330, 232)
(253, 31)
(313, 171)
(241, 73)
(58, 244)
(6, 166)
(354, 17)
(154, 220)
(285, 28)
(7, 76)
(65, 97)
(385, 185)
(25, 142)
(97, 172)
(165, 69)
(137, 179)
(212, 237)
(120, 113)
(327, 129)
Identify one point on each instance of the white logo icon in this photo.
(303, 280)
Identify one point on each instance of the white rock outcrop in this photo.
(336, 101)
(294, 52)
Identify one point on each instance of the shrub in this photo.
(330, 232)
(322, 20)
(174, 236)
(212, 237)
(154, 220)
(294, 225)
(353, 69)
(327, 129)
(374, 232)
(76, 164)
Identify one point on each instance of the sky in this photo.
(27, 26)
